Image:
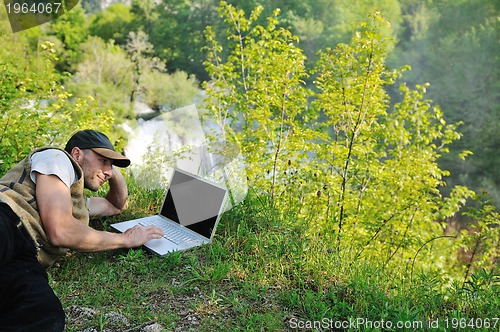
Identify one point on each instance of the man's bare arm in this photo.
(63, 230)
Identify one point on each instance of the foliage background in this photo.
(453, 45)
(347, 150)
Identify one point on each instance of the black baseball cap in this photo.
(99, 143)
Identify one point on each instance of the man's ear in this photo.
(77, 154)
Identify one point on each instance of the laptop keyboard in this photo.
(170, 232)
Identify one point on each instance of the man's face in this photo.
(96, 169)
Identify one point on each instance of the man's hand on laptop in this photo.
(138, 235)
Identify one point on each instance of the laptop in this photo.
(189, 214)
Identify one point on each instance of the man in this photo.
(44, 212)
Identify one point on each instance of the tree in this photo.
(337, 160)
(35, 110)
(454, 46)
(152, 84)
(91, 6)
(146, 15)
(324, 23)
(113, 23)
(165, 91)
(71, 30)
(262, 83)
(177, 34)
(105, 73)
(139, 50)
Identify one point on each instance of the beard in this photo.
(92, 183)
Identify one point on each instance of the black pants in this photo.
(27, 302)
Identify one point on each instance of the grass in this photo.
(260, 274)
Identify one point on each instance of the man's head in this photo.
(96, 155)
(99, 143)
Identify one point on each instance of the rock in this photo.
(79, 315)
(114, 319)
(152, 328)
(84, 319)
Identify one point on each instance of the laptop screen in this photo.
(193, 203)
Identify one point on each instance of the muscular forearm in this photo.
(79, 236)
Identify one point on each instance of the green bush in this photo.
(36, 110)
(334, 157)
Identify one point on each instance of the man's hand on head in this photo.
(116, 200)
